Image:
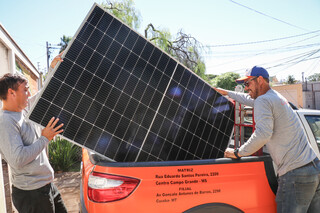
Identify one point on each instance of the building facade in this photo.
(14, 60)
(304, 95)
(311, 92)
(292, 92)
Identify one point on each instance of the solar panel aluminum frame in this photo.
(157, 109)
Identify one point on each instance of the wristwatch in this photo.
(236, 153)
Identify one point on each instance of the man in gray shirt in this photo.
(23, 148)
(278, 127)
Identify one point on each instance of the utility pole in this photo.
(41, 77)
(48, 56)
(49, 47)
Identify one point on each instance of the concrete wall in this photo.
(32, 78)
(316, 91)
(10, 54)
(311, 92)
(6, 67)
(306, 95)
(4, 60)
(12, 57)
(13, 60)
(292, 92)
(317, 100)
(308, 102)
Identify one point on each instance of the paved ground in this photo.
(6, 186)
(68, 184)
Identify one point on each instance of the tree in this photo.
(211, 76)
(226, 80)
(160, 38)
(314, 77)
(185, 48)
(125, 11)
(291, 79)
(64, 42)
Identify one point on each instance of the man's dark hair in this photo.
(10, 81)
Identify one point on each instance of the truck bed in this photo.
(214, 185)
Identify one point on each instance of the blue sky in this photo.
(216, 23)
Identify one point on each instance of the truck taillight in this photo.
(105, 188)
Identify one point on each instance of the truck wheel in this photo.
(214, 208)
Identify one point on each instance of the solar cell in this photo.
(124, 98)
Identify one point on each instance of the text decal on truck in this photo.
(182, 183)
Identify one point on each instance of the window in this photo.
(314, 123)
(18, 68)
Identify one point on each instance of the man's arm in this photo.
(221, 91)
(242, 98)
(56, 60)
(263, 129)
(13, 148)
(14, 151)
(229, 153)
(262, 134)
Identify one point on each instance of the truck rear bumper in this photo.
(83, 208)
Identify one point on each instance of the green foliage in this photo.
(161, 38)
(211, 76)
(291, 80)
(200, 69)
(62, 154)
(125, 11)
(314, 77)
(226, 80)
(186, 49)
(64, 42)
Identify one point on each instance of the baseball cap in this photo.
(254, 71)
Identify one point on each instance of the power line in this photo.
(290, 61)
(251, 53)
(262, 41)
(273, 50)
(291, 64)
(295, 61)
(312, 67)
(300, 58)
(292, 25)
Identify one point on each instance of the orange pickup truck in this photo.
(213, 185)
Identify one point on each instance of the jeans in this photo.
(299, 190)
(45, 199)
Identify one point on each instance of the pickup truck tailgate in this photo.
(192, 186)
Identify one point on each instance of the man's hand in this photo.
(221, 91)
(229, 153)
(50, 130)
(56, 60)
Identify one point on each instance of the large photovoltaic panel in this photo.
(122, 97)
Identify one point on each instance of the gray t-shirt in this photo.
(277, 127)
(24, 151)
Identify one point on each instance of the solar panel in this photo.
(124, 98)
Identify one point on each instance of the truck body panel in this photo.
(187, 184)
(213, 185)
